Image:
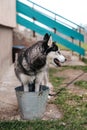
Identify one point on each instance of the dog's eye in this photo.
(59, 52)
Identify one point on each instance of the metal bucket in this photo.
(32, 105)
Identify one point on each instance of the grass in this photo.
(72, 106)
(55, 80)
(83, 68)
(84, 45)
(84, 60)
(81, 84)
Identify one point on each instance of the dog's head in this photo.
(56, 57)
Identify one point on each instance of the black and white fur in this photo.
(54, 58)
(32, 63)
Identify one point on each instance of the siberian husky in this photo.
(32, 63)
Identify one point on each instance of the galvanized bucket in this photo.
(32, 105)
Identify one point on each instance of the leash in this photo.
(67, 84)
(61, 89)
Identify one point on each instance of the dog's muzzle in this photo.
(57, 62)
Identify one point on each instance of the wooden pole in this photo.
(33, 22)
(79, 43)
(34, 33)
(55, 30)
(72, 39)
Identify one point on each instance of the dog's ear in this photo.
(45, 41)
(50, 41)
(54, 46)
(46, 37)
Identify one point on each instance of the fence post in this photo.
(54, 30)
(72, 39)
(33, 21)
(79, 43)
(34, 34)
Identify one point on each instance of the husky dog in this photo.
(31, 64)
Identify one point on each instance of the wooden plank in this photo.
(28, 11)
(56, 38)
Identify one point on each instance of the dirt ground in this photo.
(8, 102)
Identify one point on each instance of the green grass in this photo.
(81, 84)
(55, 80)
(84, 45)
(83, 68)
(84, 60)
(72, 106)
